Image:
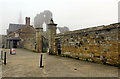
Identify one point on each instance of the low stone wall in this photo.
(97, 44)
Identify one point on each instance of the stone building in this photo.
(21, 35)
(24, 36)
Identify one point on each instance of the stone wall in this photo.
(27, 35)
(97, 44)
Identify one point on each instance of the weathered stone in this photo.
(98, 44)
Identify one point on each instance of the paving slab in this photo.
(26, 64)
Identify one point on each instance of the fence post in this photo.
(5, 58)
(1, 55)
(41, 61)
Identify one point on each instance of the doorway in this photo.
(59, 46)
(15, 44)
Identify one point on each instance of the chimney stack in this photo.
(27, 20)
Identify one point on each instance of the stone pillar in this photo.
(39, 39)
(51, 36)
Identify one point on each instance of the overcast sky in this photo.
(75, 14)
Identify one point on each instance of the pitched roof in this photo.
(14, 27)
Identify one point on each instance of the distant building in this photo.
(21, 35)
(63, 29)
(24, 36)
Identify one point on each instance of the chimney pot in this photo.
(27, 20)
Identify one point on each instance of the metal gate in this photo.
(59, 46)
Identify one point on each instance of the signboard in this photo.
(13, 51)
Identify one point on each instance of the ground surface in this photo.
(26, 64)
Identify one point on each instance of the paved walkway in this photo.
(26, 64)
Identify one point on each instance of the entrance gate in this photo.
(44, 44)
